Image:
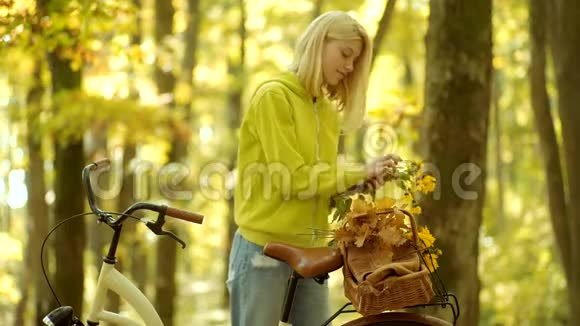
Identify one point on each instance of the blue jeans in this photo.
(257, 286)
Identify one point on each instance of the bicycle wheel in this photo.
(398, 319)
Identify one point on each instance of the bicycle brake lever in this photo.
(174, 237)
(156, 227)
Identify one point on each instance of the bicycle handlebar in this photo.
(184, 215)
(100, 164)
(163, 210)
(86, 175)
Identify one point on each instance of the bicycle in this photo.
(109, 277)
(317, 263)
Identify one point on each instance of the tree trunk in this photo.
(70, 241)
(33, 284)
(38, 209)
(167, 248)
(236, 71)
(380, 35)
(136, 246)
(71, 238)
(456, 114)
(165, 288)
(188, 64)
(317, 8)
(137, 261)
(383, 28)
(565, 36)
(545, 126)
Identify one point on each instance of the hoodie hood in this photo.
(290, 80)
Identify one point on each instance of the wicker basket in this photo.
(393, 292)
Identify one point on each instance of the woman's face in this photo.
(338, 59)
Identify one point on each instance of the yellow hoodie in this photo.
(287, 164)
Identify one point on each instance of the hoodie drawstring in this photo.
(315, 209)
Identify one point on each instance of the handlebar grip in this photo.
(184, 215)
(101, 163)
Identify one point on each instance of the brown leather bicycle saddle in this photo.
(308, 262)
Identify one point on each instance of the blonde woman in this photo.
(287, 167)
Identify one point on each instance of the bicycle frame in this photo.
(111, 279)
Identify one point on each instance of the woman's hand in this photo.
(378, 169)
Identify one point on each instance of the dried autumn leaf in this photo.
(351, 221)
(344, 235)
(385, 203)
(399, 214)
(397, 219)
(372, 220)
(382, 222)
(361, 204)
(360, 240)
(392, 235)
(358, 206)
(362, 235)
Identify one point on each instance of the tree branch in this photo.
(383, 28)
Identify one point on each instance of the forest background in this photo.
(484, 92)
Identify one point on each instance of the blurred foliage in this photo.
(522, 282)
(517, 253)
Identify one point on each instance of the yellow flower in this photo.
(416, 210)
(426, 184)
(431, 261)
(425, 237)
(407, 197)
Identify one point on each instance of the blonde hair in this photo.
(350, 93)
